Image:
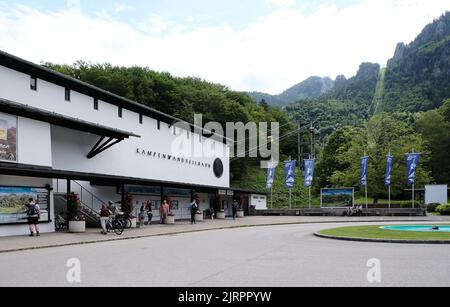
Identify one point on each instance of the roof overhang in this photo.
(23, 110)
(14, 169)
(49, 75)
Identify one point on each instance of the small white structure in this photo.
(259, 201)
(436, 194)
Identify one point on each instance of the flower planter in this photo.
(170, 220)
(220, 215)
(77, 226)
(199, 217)
(134, 223)
(240, 214)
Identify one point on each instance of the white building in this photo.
(57, 132)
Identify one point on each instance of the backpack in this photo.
(32, 210)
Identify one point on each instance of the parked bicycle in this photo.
(115, 224)
(60, 222)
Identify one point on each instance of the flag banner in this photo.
(309, 172)
(389, 164)
(270, 175)
(363, 176)
(290, 174)
(412, 160)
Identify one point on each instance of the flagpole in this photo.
(367, 169)
(367, 201)
(413, 196)
(290, 199)
(271, 198)
(309, 197)
(389, 188)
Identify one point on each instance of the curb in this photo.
(392, 241)
(193, 231)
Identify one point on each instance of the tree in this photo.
(381, 135)
(434, 127)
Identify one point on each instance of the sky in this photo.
(247, 45)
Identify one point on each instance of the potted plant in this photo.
(240, 212)
(199, 216)
(170, 220)
(220, 215)
(128, 209)
(77, 222)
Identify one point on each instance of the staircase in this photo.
(90, 204)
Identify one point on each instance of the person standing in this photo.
(194, 208)
(149, 212)
(142, 213)
(104, 217)
(33, 216)
(164, 211)
(235, 207)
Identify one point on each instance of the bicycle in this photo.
(115, 225)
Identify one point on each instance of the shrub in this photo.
(432, 207)
(443, 209)
(74, 213)
(128, 206)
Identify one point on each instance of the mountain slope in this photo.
(418, 76)
(347, 104)
(312, 87)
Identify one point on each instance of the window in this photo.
(33, 83)
(141, 119)
(120, 112)
(174, 130)
(188, 134)
(159, 125)
(67, 94)
(95, 104)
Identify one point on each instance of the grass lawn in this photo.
(375, 232)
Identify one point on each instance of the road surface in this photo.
(273, 256)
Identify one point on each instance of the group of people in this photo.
(145, 211)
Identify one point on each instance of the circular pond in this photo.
(419, 228)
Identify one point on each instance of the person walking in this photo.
(104, 217)
(33, 216)
(149, 212)
(194, 208)
(235, 207)
(142, 214)
(164, 211)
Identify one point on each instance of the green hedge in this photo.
(432, 207)
(443, 209)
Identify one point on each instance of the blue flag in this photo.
(363, 176)
(309, 172)
(270, 176)
(290, 174)
(389, 164)
(412, 160)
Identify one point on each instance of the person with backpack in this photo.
(33, 216)
(194, 208)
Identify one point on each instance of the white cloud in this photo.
(270, 54)
(282, 2)
(123, 8)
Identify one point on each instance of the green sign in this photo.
(337, 198)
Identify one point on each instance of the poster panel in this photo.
(337, 198)
(14, 200)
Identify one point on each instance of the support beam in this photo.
(103, 145)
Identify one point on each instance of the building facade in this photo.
(58, 133)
